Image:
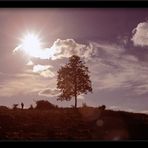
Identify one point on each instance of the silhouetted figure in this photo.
(22, 105)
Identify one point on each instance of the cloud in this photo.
(112, 69)
(43, 70)
(30, 63)
(47, 74)
(61, 49)
(110, 64)
(140, 35)
(53, 92)
(40, 68)
(21, 84)
(68, 47)
(48, 92)
(123, 40)
(104, 66)
(105, 49)
(81, 97)
(142, 88)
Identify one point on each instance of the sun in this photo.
(31, 44)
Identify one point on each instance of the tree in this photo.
(73, 79)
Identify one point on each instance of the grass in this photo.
(86, 123)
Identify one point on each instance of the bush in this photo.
(84, 105)
(103, 107)
(44, 105)
(4, 108)
(15, 106)
(31, 106)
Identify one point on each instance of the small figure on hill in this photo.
(22, 105)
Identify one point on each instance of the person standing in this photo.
(22, 105)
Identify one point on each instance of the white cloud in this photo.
(112, 68)
(81, 97)
(21, 84)
(104, 49)
(53, 92)
(47, 73)
(62, 49)
(43, 70)
(49, 92)
(141, 88)
(68, 47)
(140, 34)
(123, 39)
(30, 63)
(110, 65)
(39, 68)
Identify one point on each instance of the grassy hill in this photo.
(85, 123)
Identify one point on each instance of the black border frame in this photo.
(71, 4)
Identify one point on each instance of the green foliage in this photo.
(73, 79)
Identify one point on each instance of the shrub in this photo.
(31, 107)
(44, 105)
(15, 106)
(4, 108)
(84, 105)
(103, 107)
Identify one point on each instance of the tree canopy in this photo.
(73, 79)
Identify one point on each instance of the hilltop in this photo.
(85, 123)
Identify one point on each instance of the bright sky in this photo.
(34, 43)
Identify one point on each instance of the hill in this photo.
(85, 123)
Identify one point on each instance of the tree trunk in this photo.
(75, 91)
(75, 100)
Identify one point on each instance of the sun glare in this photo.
(31, 44)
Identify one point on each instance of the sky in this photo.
(35, 43)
